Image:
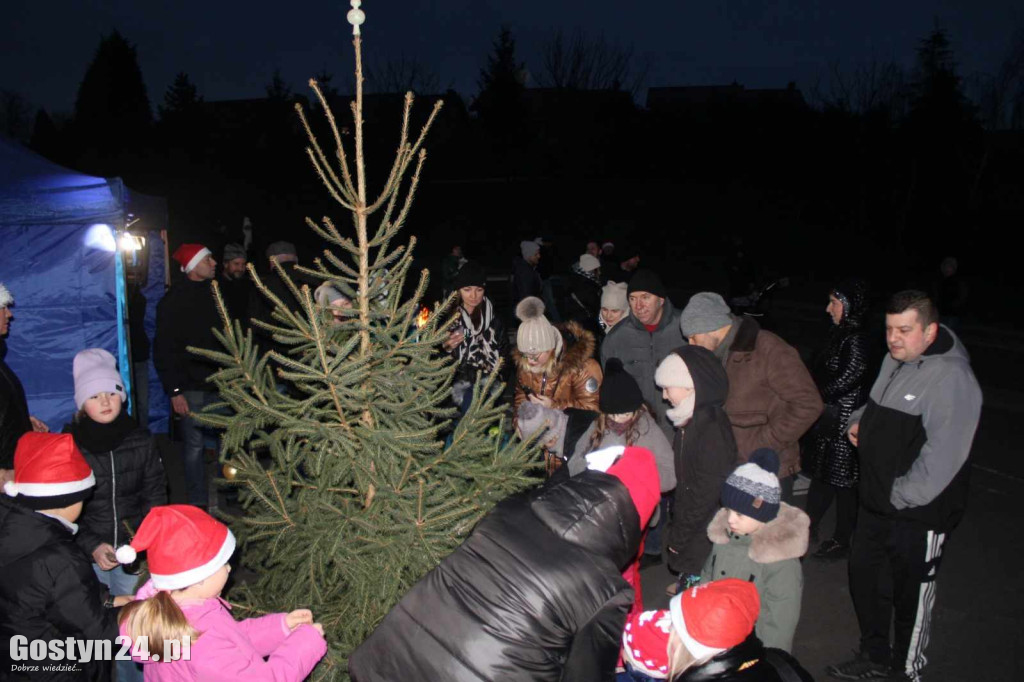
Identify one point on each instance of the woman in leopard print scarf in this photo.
(477, 339)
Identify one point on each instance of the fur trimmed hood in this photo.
(784, 538)
(578, 346)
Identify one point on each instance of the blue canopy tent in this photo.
(59, 257)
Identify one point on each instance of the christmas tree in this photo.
(353, 481)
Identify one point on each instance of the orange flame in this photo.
(421, 319)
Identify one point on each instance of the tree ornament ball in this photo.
(230, 472)
(494, 431)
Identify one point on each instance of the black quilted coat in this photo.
(534, 594)
(14, 422)
(750, 661)
(841, 374)
(130, 481)
(48, 590)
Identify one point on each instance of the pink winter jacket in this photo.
(234, 650)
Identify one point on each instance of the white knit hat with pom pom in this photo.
(536, 334)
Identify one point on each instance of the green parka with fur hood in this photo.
(769, 558)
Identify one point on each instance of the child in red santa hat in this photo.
(188, 552)
(707, 633)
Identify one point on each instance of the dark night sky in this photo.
(230, 49)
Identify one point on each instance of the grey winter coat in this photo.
(650, 437)
(770, 558)
(641, 351)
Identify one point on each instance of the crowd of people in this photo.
(671, 434)
(731, 414)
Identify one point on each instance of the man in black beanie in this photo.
(641, 341)
(645, 338)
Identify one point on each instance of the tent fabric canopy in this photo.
(58, 260)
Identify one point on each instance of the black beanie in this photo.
(646, 280)
(620, 393)
(471, 275)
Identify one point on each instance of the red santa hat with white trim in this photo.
(49, 472)
(190, 255)
(183, 543)
(715, 616)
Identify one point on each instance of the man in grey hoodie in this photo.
(914, 437)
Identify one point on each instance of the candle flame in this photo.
(421, 319)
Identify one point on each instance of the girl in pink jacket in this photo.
(181, 629)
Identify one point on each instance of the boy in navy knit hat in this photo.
(759, 538)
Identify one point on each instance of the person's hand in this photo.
(104, 556)
(454, 339)
(299, 617)
(38, 425)
(852, 435)
(122, 599)
(319, 628)
(180, 405)
(541, 400)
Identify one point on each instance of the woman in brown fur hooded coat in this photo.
(555, 366)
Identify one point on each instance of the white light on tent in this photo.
(131, 242)
(101, 236)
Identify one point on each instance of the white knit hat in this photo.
(6, 298)
(613, 296)
(536, 334)
(589, 263)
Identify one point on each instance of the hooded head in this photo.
(698, 370)
(853, 294)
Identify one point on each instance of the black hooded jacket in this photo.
(186, 316)
(48, 589)
(749, 661)
(706, 454)
(14, 421)
(534, 594)
(130, 481)
(843, 378)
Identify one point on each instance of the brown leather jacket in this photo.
(574, 381)
(772, 398)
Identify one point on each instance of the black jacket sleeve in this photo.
(167, 347)
(711, 457)
(155, 481)
(77, 606)
(595, 648)
(853, 366)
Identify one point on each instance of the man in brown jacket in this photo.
(772, 397)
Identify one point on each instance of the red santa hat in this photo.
(190, 255)
(645, 643)
(715, 616)
(184, 545)
(49, 472)
(636, 468)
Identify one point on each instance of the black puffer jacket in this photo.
(706, 454)
(750, 661)
(185, 316)
(14, 422)
(130, 481)
(535, 593)
(48, 590)
(843, 379)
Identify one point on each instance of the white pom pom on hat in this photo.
(125, 554)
